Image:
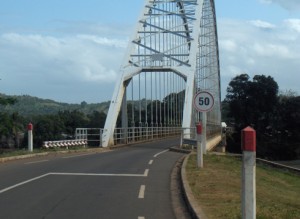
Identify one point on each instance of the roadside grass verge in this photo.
(217, 188)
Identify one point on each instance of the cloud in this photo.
(293, 24)
(291, 5)
(30, 63)
(246, 47)
(262, 24)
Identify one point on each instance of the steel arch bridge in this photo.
(172, 55)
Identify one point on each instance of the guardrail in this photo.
(64, 143)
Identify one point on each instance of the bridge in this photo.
(172, 55)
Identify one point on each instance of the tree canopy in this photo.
(276, 118)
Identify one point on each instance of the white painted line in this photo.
(74, 174)
(150, 162)
(98, 174)
(142, 191)
(40, 161)
(141, 217)
(156, 155)
(146, 172)
(81, 155)
(22, 183)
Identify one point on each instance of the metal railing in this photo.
(93, 136)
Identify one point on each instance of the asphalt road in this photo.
(132, 182)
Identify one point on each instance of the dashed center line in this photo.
(150, 162)
(142, 191)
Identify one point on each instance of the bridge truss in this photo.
(172, 55)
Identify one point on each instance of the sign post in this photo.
(204, 102)
(199, 146)
(30, 137)
(249, 173)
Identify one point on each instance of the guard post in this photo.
(30, 137)
(199, 145)
(249, 173)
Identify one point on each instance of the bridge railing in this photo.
(126, 135)
(93, 136)
(136, 134)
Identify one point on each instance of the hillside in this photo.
(27, 105)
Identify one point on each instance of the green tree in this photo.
(252, 102)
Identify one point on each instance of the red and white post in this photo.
(30, 137)
(249, 173)
(199, 145)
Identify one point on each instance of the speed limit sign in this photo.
(204, 101)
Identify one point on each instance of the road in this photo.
(132, 182)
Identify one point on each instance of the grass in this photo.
(217, 188)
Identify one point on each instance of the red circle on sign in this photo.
(204, 101)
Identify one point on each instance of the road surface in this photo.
(132, 182)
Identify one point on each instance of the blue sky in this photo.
(71, 50)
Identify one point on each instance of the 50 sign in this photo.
(204, 101)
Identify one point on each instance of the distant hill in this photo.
(27, 106)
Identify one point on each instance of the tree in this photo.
(252, 102)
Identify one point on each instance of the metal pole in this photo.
(204, 122)
(199, 146)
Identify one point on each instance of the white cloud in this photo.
(262, 24)
(246, 47)
(293, 24)
(292, 5)
(58, 62)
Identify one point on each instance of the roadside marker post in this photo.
(199, 145)
(30, 137)
(249, 173)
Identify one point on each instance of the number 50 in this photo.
(204, 101)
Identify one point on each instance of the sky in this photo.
(71, 50)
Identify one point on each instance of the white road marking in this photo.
(156, 155)
(40, 161)
(146, 172)
(141, 217)
(81, 155)
(99, 174)
(150, 162)
(142, 191)
(22, 183)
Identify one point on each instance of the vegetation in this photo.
(274, 116)
(57, 121)
(217, 189)
(52, 120)
(29, 106)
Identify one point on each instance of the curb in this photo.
(194, 208)
(19, 157)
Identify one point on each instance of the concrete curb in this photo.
(19, 157)
(194, 208)
(5, 159)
